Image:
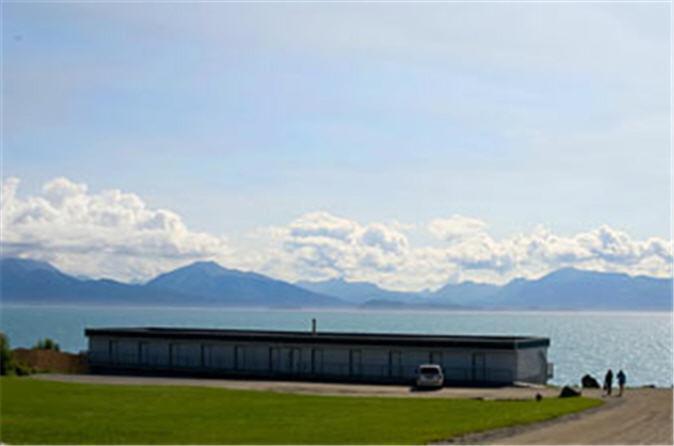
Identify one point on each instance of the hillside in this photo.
(359, 292)
(214, 283)
(209, 284)
(199, 284)
(564, 289)
(29, 281)
(577, 289)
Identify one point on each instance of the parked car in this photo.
(430, 375)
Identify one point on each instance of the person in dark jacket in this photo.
(608, 382)
(621, 382)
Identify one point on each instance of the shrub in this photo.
(22, 370)
(47, 344)
(6, 360)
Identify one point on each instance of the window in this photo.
(207, 356)
(239, 358)
(294, 360)
(179, 356)
(143, 353)
(317, 360)
(479, 367)
(113, 352)
(275, 359)
(435, 358)
(395, 364)
(355, 363)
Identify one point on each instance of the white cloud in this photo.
(456, 227)
(111, 233)
(320, 245)
(115, 234)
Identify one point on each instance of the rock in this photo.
(588, 382)
(568, 392)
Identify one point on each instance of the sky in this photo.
(406, 144)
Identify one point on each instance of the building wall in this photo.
(365, 363)
(532, 365)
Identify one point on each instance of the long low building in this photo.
(320, 356)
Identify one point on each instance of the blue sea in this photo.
(581, 342)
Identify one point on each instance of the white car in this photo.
(430, 375)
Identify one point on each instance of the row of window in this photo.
(282, 360)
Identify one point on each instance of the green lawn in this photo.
(41, 412)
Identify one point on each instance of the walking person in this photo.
(621, 382)
(608, 382)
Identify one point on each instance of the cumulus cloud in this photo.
(456, 227)
(322, 245)
(541, 251)
(110, 233)
(115, 234)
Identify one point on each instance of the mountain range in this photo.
(198, 284)
(564, 289)
(359, 292)
(209, 284)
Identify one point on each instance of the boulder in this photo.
(588, 382)
(568, 392)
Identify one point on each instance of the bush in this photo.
(47, 344)
(22, 370)
(6, 360)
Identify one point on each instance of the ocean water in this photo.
(581, 342)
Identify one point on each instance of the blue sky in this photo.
(243, 116)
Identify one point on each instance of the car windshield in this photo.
(430, 370)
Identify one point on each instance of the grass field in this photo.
(41, 412)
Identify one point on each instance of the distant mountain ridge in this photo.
(209, 284)
(30, 281)
(564, 289)
(571, 288)
(358, 292)
(211, 281)
(466, 293)
(198, 284)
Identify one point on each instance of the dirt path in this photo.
(312, 388)
(641, 416)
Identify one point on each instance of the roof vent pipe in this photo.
(313, 327)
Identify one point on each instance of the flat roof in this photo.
(323, 337)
